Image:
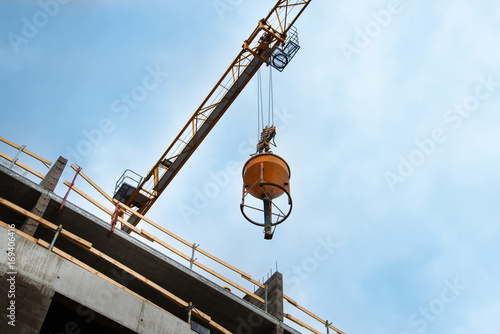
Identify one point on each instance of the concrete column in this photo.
(274, 299)
(275, 295)
(54, 174)
(49, 183)
(32, 301)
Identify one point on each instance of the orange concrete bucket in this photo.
(266, 177)
(262, 174)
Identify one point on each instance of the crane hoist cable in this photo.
(266, 132)
(260, 102)
(260, 107)
(271, 98)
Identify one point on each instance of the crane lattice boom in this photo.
(269, 36)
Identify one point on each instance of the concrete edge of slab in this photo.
(87, 289)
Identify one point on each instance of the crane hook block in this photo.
(266, 177)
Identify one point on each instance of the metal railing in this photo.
(15, 160)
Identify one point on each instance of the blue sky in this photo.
(388, 117)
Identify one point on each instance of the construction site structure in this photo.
(66, 270)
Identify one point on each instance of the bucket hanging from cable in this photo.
(266, 176)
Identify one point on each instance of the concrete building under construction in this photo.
(67, 271)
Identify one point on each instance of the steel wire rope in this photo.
(260, 106)
(271, 97)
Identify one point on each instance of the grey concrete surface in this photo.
(50, 272)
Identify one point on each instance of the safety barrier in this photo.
(15, 161)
